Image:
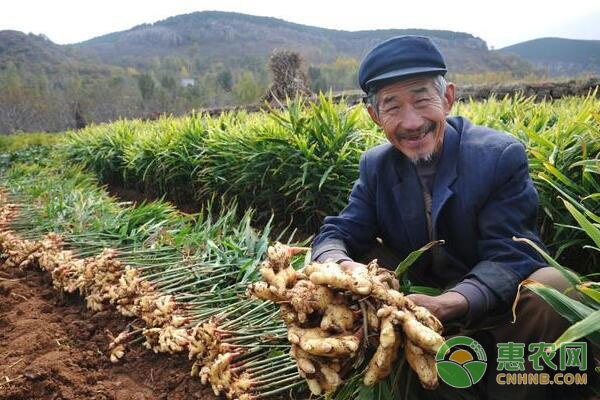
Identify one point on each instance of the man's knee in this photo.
(534, 308)
(552, 277)
(535, 319)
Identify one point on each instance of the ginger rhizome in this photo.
(331, 313)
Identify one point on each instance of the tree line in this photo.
(35, 101)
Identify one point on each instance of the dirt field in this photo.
(52, 347)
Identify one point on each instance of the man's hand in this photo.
(445, 307)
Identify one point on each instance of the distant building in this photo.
(185, 82)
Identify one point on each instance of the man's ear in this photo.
(373, 115)
(449, 97)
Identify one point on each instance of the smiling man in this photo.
(442, 178)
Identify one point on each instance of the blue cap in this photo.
(398, 57)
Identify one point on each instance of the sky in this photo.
(499, 23)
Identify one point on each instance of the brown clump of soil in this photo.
(52, 347)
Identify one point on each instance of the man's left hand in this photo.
(445, 307)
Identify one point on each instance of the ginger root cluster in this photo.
(332, 315)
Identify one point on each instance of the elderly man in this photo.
(442, 178)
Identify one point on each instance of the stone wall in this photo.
(541, 90)
(549, 90)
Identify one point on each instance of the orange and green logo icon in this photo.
(461, 362)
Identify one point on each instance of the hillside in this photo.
(198, 60)
(237, 39)
(559, 56)
(34, 54)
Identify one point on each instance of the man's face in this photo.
(413, 116)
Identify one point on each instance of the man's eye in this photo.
(420, 101)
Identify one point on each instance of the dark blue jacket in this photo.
(482, 197)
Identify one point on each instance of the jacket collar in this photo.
(446, 172)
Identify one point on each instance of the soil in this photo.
(52, 347)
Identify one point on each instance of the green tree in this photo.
(225, 80)
(168, 83)
(155, 64)
(316, 80)
(344, 73)
(247, 90)
(146, 86)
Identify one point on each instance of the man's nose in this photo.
(411, 120)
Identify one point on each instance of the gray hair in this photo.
(439, 83)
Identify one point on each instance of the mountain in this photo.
(559, 56)
(203, 60)
(33, 54)
(239, 39)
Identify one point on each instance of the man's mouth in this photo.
(415, 137)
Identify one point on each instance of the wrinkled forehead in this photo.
(405, 88)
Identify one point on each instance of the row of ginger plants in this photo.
(180, 278)
(300, 162)
(191, 286)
